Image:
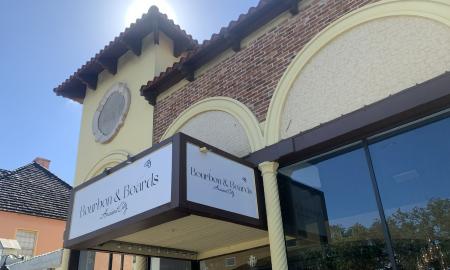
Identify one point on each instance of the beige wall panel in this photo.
(219, 129)
(365, 64)
(136, 133)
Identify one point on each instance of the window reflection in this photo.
(413, 174)
(330, 214)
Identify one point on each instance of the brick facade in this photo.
(252, 74)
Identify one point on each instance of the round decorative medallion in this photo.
(111, 113)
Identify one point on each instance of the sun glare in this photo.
(139, 7)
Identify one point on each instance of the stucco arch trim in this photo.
(235, 108)
(437, 10)
(111, 159)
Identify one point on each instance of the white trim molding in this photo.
(235, 108)
(437, 10)
(108, 161)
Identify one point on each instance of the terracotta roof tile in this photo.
(115, 48)
(244, 25)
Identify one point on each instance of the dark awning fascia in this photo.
(401, 108)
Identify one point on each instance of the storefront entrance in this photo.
(97, 260)
(251, 259)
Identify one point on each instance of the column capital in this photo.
(268, 167)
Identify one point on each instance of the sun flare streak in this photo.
(139, 7)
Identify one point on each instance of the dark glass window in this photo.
(330, 214)
(413, 174)
(172, 264)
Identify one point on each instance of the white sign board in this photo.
(141, 186)
(218, 182)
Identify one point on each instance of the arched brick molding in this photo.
(108, 161)
(221, 121)
(342, 87)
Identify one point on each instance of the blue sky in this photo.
(43, 42)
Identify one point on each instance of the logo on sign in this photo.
(228, 186)
(148, 164)
(115, 204)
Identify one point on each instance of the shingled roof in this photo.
(130, 39)
(3, 172)
(33, 190)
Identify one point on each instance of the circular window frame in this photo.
(122, 89)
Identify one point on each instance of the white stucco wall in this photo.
(219, 129)
(365, 64)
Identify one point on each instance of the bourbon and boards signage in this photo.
(219, 182)
(173, 179)
(134, 189)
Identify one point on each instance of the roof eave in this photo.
(229, 37)
(130, 40)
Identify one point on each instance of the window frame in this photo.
(36, 234)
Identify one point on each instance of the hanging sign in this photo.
(173, 179)
(141, 186)
(219, 182)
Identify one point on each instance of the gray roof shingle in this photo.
(34, 190)
(3, 172)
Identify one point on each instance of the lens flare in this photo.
(138, 7)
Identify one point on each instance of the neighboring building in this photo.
(342, 105)
(33, 208)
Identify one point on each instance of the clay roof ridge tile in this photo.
(153, 11)
(169, 69)
(207, 42)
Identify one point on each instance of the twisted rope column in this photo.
(274, 220)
